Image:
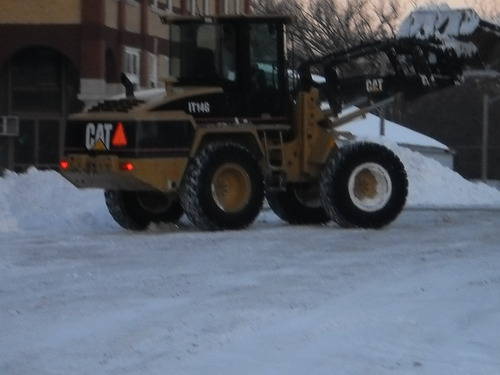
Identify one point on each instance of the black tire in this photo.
(199, 196)
(136, 210)
(298, 204)
(363, 185)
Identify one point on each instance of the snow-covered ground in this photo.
(79, 295)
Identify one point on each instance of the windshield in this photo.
(203, 53)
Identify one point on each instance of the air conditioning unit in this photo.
(9, 126)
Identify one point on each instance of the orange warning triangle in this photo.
(100, 146)
(119, 138)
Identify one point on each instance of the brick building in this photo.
(58, 55)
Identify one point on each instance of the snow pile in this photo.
(440, 21)
(45, 201)
(432, 185)
(445, 24)
(369, 127)
(7, 221)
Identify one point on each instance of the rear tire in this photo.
(298, 204)
(223, 188)
(364, 185)
(136, 210)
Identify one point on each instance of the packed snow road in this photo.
(420, 297)
(79, 295)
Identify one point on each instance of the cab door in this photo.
(266, 84)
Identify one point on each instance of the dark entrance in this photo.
(40, 86)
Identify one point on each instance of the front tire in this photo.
(298, 204)
(136, 210)
(364, 185)
(223, 188)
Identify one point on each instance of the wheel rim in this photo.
(231, 187)
(154, 202)
(370, 187)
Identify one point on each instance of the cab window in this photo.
(205, 53)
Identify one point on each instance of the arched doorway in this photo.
(40, 86)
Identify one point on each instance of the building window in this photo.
(163, 5)
(193, 6)
(231, 6)
(153, 70)
(132, 64)
(165, 67)
(206, 7)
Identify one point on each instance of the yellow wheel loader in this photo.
(236, 125)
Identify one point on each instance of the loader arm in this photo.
(375, 71)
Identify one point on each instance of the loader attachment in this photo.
(462, 29)
(379, 70)
(431, 52)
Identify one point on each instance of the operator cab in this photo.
(244, 55)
